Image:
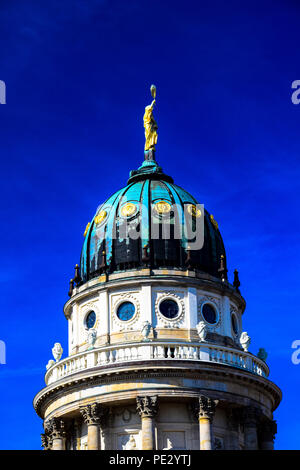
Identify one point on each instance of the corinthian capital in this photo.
(46, 441)
(92, 414)
(147, 406)
(205, 407)
(267, 430)
(55, 429)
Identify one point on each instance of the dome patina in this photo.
(142, 205)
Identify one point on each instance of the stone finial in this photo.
(93, 413)
(236, 282)
(202, 330)
(57, 351)
(245, 341)
(77, 277)
(147, 406)
(262, 354)
(145, 256)
(71, 287)
(222, 269)
(50, 364)
(146, 330)
(103, 261)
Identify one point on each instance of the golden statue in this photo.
(150, 123)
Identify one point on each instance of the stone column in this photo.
(205, 410)
(267, 431)
(251, 415)
(147, 407)
(233, 421)
(55, 434)
(92, 415)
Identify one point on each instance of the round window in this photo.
(169, 308)
(209, 313)
(126, 311)
(234, 324)
(90, 320)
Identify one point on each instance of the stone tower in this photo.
(157, 354)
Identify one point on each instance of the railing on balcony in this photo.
(155, 351)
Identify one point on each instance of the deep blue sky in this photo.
(78, 76)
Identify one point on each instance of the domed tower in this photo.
(157, 354)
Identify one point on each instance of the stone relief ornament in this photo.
(50, 364)
(91, 337)
(245, 341)
(146, 330)
(262, 354)
(216, 302)
(57, 351)
(202, 330)
(169, 322)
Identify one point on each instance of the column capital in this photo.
(147, 406)
(46, 441)
(205, 407)
(268, 430)
(93, 413)
(55, 429)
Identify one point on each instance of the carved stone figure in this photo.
(262, 354)
(202, 330)
(145, 330)
(131, 444)
(50, 364)
(245, 341)
(57, 351)
(91, 337)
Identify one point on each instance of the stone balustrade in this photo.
(155, 351)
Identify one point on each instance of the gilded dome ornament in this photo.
(192, 210)
(162, 207)
(150, 124)
(86, 229)
(128, 210)
(214, 222)
(100, 217)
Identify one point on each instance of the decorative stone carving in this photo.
(170, 322)
(50, 364)
(202, 330)
(131, 445)
(146, 330)
(46, 441)
(147, 406)
(91, 337)
(205, 407)
(262, 354)
(118, 300)
(203, 299)
(55, 428)
(93, 414)
(245, 341)
(57, 351)
(267, 430)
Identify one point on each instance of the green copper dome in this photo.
(142, 205)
